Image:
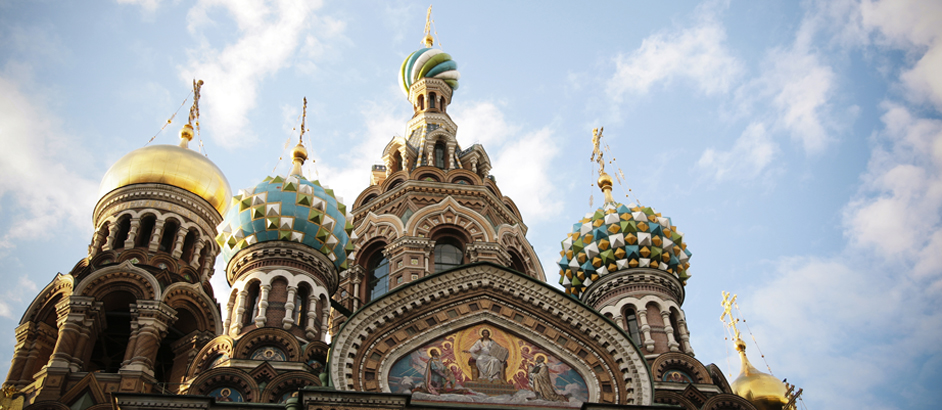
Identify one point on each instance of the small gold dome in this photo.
(761, 389)
(171, 165)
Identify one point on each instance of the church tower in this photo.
(432, 205)
(284, 242)
(130, 316)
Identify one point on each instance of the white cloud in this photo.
(748, 157)
(271, 35)
(903, 187)
(41, 191)
(915, 26)
(698, 53)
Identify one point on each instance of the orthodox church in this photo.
(423, 293)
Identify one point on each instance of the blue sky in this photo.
(797, 146)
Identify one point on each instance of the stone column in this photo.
(132, 234)
(239, 312)
(109, 241)
(154, 243)
(646, 329)
(262, 305)
(178, 243)
(671, 343)
(154, 318)
(25, 341)
(71, 313)
(450, 154)
(310, 330)
(289, 309)
(197, 248)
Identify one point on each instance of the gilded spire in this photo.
(605, 181)
(299, 153)
(186, 133)
(427, 40)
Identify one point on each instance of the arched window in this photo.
(397, 162)
(516, 262)
(145, 231)
(447, 256)
(124, 227)
(631, 320)
(379, 276)
(440, 155)
(442, 104)
(251, 310)
(431, 101)
(673, 319)
(301, 307)
(421, 103)
(188, 243)
(108, 351)
(169, 235)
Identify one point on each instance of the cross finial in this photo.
(186, 134)
(195, 109)
(728, 304)
(303, 119)
(427, 40)
(605, 181)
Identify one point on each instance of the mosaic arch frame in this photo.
(388, 328)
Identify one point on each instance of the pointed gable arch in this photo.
(426, 219)
(389, 328)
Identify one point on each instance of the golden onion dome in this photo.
(761, 389)
(171, 165)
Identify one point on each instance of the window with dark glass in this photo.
(431, 101)
(379, 276)
(632, 320)
(447, 256)
(440, 155)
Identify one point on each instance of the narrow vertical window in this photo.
(440, 155)
(379, 276)
(632, 321)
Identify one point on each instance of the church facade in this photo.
(423, 293)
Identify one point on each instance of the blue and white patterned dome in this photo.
(290, 209)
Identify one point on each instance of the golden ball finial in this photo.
(186, 135)
(299, 152)
(428, 41)
(605, 181)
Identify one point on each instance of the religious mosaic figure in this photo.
(488, 358)
(438, 377)
(540, 381)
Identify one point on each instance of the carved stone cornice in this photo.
(284, 254)
(625, 281)
(162, 197)
(442, 189)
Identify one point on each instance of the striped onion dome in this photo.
(428, 63)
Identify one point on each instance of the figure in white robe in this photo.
(489, 357)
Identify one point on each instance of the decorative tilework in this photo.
(288, 209)
(616, 237)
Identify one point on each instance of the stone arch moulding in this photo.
(61, 284)
(268, 336)
(425, 216)
(386, 226)
(680, 361)
(218, 346)
(180, 293)
(228, 377)
(104, 279)
(396, 324)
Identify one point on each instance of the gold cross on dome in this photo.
(427, 39)
(728, 304)
(195, 109)
(596, 148)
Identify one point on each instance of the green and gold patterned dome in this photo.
(292, 209)
(617, 237)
